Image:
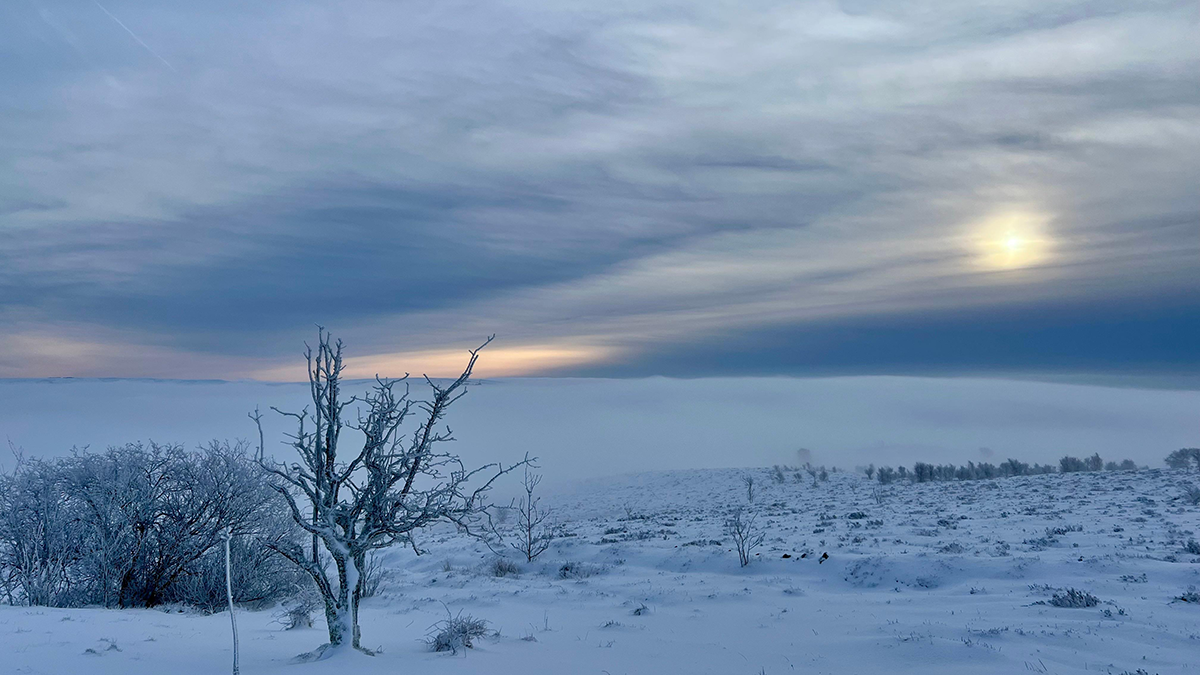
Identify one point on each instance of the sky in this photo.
(613, 189)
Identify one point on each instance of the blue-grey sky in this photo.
(616, 188)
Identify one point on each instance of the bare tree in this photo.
(532, 526)
(749, 481)
(743, 529)
(376, 496)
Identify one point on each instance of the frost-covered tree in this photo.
(533, 527)
(885, 475)
(742, 527)
(748, 481)
(1184, 458)
(1069, 464)
(376, 495)
(136, 526)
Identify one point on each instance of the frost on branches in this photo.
(374, 496)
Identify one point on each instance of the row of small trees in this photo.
(138, 526)
(923, 472)
(1183, 458)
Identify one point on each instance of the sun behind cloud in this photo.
(1012, 240)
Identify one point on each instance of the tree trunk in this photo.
(355, 581)
(335, 620)
(341, 610)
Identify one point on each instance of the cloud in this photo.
(602, 182)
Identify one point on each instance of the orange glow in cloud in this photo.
(523, 360)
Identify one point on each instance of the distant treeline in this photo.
(923, 472)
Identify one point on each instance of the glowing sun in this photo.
(1011, 240)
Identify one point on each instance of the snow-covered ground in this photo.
(930, 578)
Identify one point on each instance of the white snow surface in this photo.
(929, 578)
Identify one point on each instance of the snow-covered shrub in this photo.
(1062, 530)
(41, 538)
(260, 576)
(138, 526)
(1192, 547)
(1190, 595)
(1074, 599)
(297, 613)
(456, 633)
(503, 567)
(1191, 495)
(578, 570)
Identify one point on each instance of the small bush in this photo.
(743, 528)
(456, 633)
(503, 567)
(1191, 495)
(1125, 465)
(1191, 595)
(298, 613)
(1192, 547)
(577, 570)
(1074, 599)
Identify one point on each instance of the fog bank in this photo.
(593, 427)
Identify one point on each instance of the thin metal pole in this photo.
(229, 595)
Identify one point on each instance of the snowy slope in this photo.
(931, 578)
